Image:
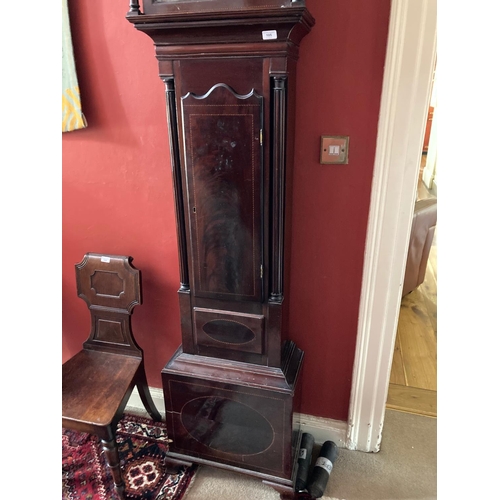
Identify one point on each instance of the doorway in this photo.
(410, 61)
(413, 379)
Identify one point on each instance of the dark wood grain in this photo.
(223, 163)
(199, 6)
(206, 398)
(229, 330)
(232, 137)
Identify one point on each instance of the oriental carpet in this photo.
(146, 471)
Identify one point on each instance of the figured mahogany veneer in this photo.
(236, 414)
(98, 381)
(224, 168)
(229, 71)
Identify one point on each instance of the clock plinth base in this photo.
(236, 416)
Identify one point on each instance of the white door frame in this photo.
(410, 59)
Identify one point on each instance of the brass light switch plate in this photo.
(334, 149)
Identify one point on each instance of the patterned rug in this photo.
(147, 474)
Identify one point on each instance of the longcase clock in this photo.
(233, 386)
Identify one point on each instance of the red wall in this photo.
(117, 190)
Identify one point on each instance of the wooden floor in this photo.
(413, 381)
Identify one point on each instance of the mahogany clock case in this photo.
(232, 389)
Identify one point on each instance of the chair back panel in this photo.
(108, 281)
(111, 287)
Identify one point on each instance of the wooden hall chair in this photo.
(98, 381)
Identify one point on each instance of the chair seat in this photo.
(94, 384)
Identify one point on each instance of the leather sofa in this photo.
(422, 234)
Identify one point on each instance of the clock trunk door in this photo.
(223, 158)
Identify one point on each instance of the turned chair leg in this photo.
(113, 461)
(143, 389)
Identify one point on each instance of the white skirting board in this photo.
(323, 429)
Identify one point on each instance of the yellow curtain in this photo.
(72, 115)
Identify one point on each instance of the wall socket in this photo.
(334, 149)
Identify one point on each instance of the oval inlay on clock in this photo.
(227, 426)
(228, 332)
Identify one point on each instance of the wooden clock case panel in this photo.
(267, 280)
(232, 389)
(226, 272)
(236, 415)
(223, 162)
